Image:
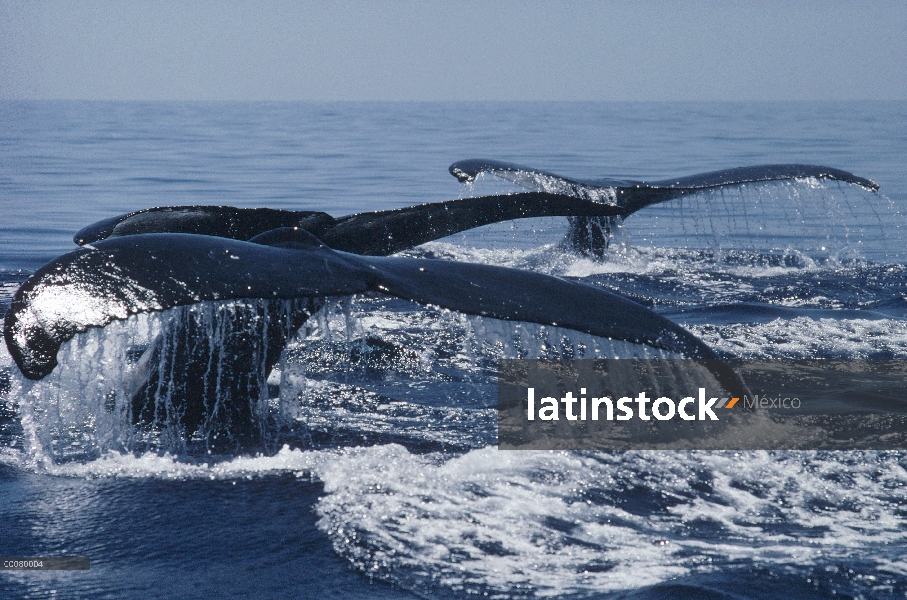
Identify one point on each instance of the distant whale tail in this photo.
(594, 207)
(591, 234)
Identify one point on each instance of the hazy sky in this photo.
(433, 50)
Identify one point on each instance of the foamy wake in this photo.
(551, 524)
(554, 523)
(804, 337)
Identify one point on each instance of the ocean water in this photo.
(383, 479)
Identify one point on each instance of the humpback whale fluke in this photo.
(632, 195)
(591, 205)
(122, 276)
(590, 234)
(115, 278)
(375, 233)
(184, 343)
(161, 258)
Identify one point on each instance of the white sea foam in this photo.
(555, 523)
(804, 337)
(560, 523)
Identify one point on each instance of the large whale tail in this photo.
(113, 279)
(591, 234)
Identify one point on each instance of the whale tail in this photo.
(594, 207)
(112, 279)
(592, 234)
(378, 233)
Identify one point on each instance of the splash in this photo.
(194, 380)
(129, 387)
(818, 219)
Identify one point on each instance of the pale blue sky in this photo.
(409, 50)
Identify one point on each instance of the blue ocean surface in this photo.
(384, 479)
